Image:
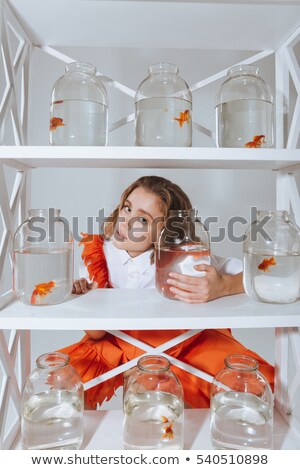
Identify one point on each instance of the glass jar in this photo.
(52, 405)
(79, 107)
(43, 258)
(272, 258)
(163, 109)
(241, 406)
(183, 244)
(153, 407)
(244, 110)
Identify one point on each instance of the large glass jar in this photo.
(272, 258)
(241, 406)
(153, 407)
(43, 258)
(52, 405)
(79, 107)
(244, 110)
(163, 109)
(183, 244)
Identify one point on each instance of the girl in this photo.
(123, 258)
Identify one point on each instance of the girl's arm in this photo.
(192, 289)
(95, 334)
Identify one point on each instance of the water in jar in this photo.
(181, 259)
(43, 277)
(52, 420)
(153, 420)
(163, 122)
(241, 420)
(239, 121)
(272, 278)
(78, 122)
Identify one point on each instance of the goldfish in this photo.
(55, 122)
(41, 290)
(266, 263)
(184, 117)
(168, 430)
(58, 102)
(257, 142)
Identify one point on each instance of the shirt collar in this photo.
(142, 262)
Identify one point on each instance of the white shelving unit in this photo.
(216, 24)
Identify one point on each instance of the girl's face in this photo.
(140, 222)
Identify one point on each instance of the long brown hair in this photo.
(172, 197)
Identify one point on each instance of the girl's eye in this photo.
(127, 209)
(143, 220)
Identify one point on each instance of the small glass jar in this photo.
(52, 405)
(79, 107)
(153, 407)
(43, 258)
(183, 244)
(244, 110)
(272, 258)
(241, 406)
(163, 109)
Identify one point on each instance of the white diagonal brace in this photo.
(294, 197)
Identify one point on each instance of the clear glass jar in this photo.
(79, 107)
(183, 244)
(241, 406)
(43, 258)
(163, 109)
(52, 405)
(244, 110)
(153, 407)
(272, 258)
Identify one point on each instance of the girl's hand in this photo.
(193, 289)
(82, 286)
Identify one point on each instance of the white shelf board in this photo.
(176, 24)
(143, 309)
(149, 157)
(103, 431)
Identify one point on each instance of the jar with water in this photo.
(182, 246)
(272, 258)
(244, 110)
(153, 407)
(241, 406)
(163, 109)
(43, 258)
(52, 405)
(79, 107)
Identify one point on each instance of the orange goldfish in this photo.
(41, 290)
(266, 263)
(168, 430)
(257, 142)
(184, 117)
(55, 122)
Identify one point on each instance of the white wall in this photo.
(82, 192)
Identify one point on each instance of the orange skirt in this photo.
(206, 351)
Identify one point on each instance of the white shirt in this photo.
(138, 273)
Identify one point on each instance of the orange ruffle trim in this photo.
(205, 351)
(94, 259)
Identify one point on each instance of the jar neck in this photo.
(241, 363)
(154, 364)
(163, 67)
(45, 213)
(242, 70)
(83, 67)
(275, 215)
(191, 213)
(53, 360)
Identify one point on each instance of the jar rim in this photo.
(243, 69)
(53, 360)
(153, 364)
(273, 212)
(163, 67)
(43, 212)
(85, 67)
(241, 362)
